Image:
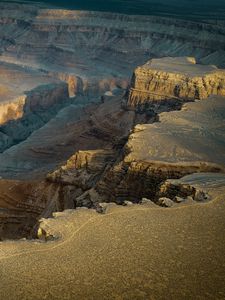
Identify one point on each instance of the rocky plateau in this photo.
(174, 81)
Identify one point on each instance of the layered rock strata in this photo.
(143, 167)
(77, 45)
(167, 81)
(31, 112)
(183, 142)
(77, 127)
(99, 129)
(15, 84)
(21, 206)
(102, 169)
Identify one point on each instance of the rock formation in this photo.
(77, 127)
(16, 83)
(21, 206)
(28, 105)
(173, 80)
(182, 142)
(72, 137)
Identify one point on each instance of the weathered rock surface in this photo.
(25, 113)
(173, 80)
(83, 168)
(16, 84)
(21, 204)
(95, 53)
(99, 129)
(75, 47)
(183, 142)
(193, 136)
(100, 171)
(77, 127)
(165, 202)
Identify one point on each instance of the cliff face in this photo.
(110, 159)
(153, 154)
(12, 110)
(16, 84)
(93, 53)
(21, 205)
(35, 109)
(76, 127)
(94, 133)
(183, 142)
(173, 80)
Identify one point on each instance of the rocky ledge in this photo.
(173, 80)
(182, 142)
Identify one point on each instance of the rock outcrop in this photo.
(21, 204)
(77, 127)
(29, 113)
(84, 168)
(15, 86)
(181, 143)
(173, 80)
(103, 169)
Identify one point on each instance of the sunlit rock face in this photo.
(182, 142)
(178, 132)
(17, 85)
(76, 127)
(174, 79)
(29, 99)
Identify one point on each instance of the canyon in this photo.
(96, 163)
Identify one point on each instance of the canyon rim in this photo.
(112, 149)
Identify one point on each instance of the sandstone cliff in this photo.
(154, 153)
(15, 84)
(181, 143)
(173, 80)
(36, 108)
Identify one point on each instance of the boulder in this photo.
(165, 202)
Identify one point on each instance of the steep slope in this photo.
(95, 53)
(99, 129)
(21, 204)
(77, 127)
(16, 82)
(181, 143)
(28, 100)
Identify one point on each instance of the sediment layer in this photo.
(167, 81)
